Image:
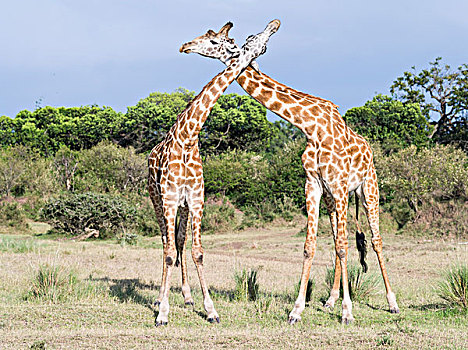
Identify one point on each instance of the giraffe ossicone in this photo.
(175, 181)
(337, 162)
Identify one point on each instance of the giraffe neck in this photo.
(190, 121)
(282, 100)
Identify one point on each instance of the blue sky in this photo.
(115, 52)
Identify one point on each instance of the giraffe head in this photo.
(220, 46)
(214, 45)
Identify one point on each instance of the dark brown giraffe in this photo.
(176, 177)
(337, 162)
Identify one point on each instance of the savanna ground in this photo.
(111, 306)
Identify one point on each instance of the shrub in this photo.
(246, 285)
(423, 186)
(361, 286)
(218, 217)
(441, 219)
(73, 213)
(257, 183)
(12, 215)
(111, 168)
(438, 173)
(13, 164)
(454, 286)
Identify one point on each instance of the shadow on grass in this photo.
(127, 290)
(429, 307)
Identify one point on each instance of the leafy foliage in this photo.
(47, 129)
(147, 123)
(438, 90)
(416, 176)
(111, 168)
(391, 123)
(73, 213)
(236, 122)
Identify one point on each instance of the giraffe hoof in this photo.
(213, 319)
(293, 320)
(346, 321)
(157, 302)
(395, 310)
(161, 323)
(328, 307)
(189, 303)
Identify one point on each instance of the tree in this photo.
(441, 93)
(390, 122)
(49, 128)
(148, 122)
(236, 122)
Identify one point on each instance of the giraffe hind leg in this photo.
(157, 204)
(335, 289)
(370, 200)
(183, 229)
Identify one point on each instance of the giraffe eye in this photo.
(214, 42)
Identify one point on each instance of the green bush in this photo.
(424, 186)
(218, 217)
(417, 176)
(12, 215)
(257, 183)
(73, 213)
(110, 168)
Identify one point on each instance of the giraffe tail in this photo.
(361, 242)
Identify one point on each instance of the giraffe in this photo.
(337, 162)
(175, 179)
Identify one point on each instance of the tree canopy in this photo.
(442, 94)
(235, 122)
(390, 122)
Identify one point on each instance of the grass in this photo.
(246, 285)
(361, 285)
(454, 286)
(18, 244)
(124, 281)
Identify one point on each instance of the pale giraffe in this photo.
(337, 162)
(176, 177)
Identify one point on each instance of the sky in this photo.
(116, 52)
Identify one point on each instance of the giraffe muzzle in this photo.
(185, 48)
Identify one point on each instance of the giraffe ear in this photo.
(225, 30)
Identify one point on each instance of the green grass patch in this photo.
(454, 286)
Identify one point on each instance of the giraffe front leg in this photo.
(197, 256)
(157, 204)
(313, 194)
(169, 256)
